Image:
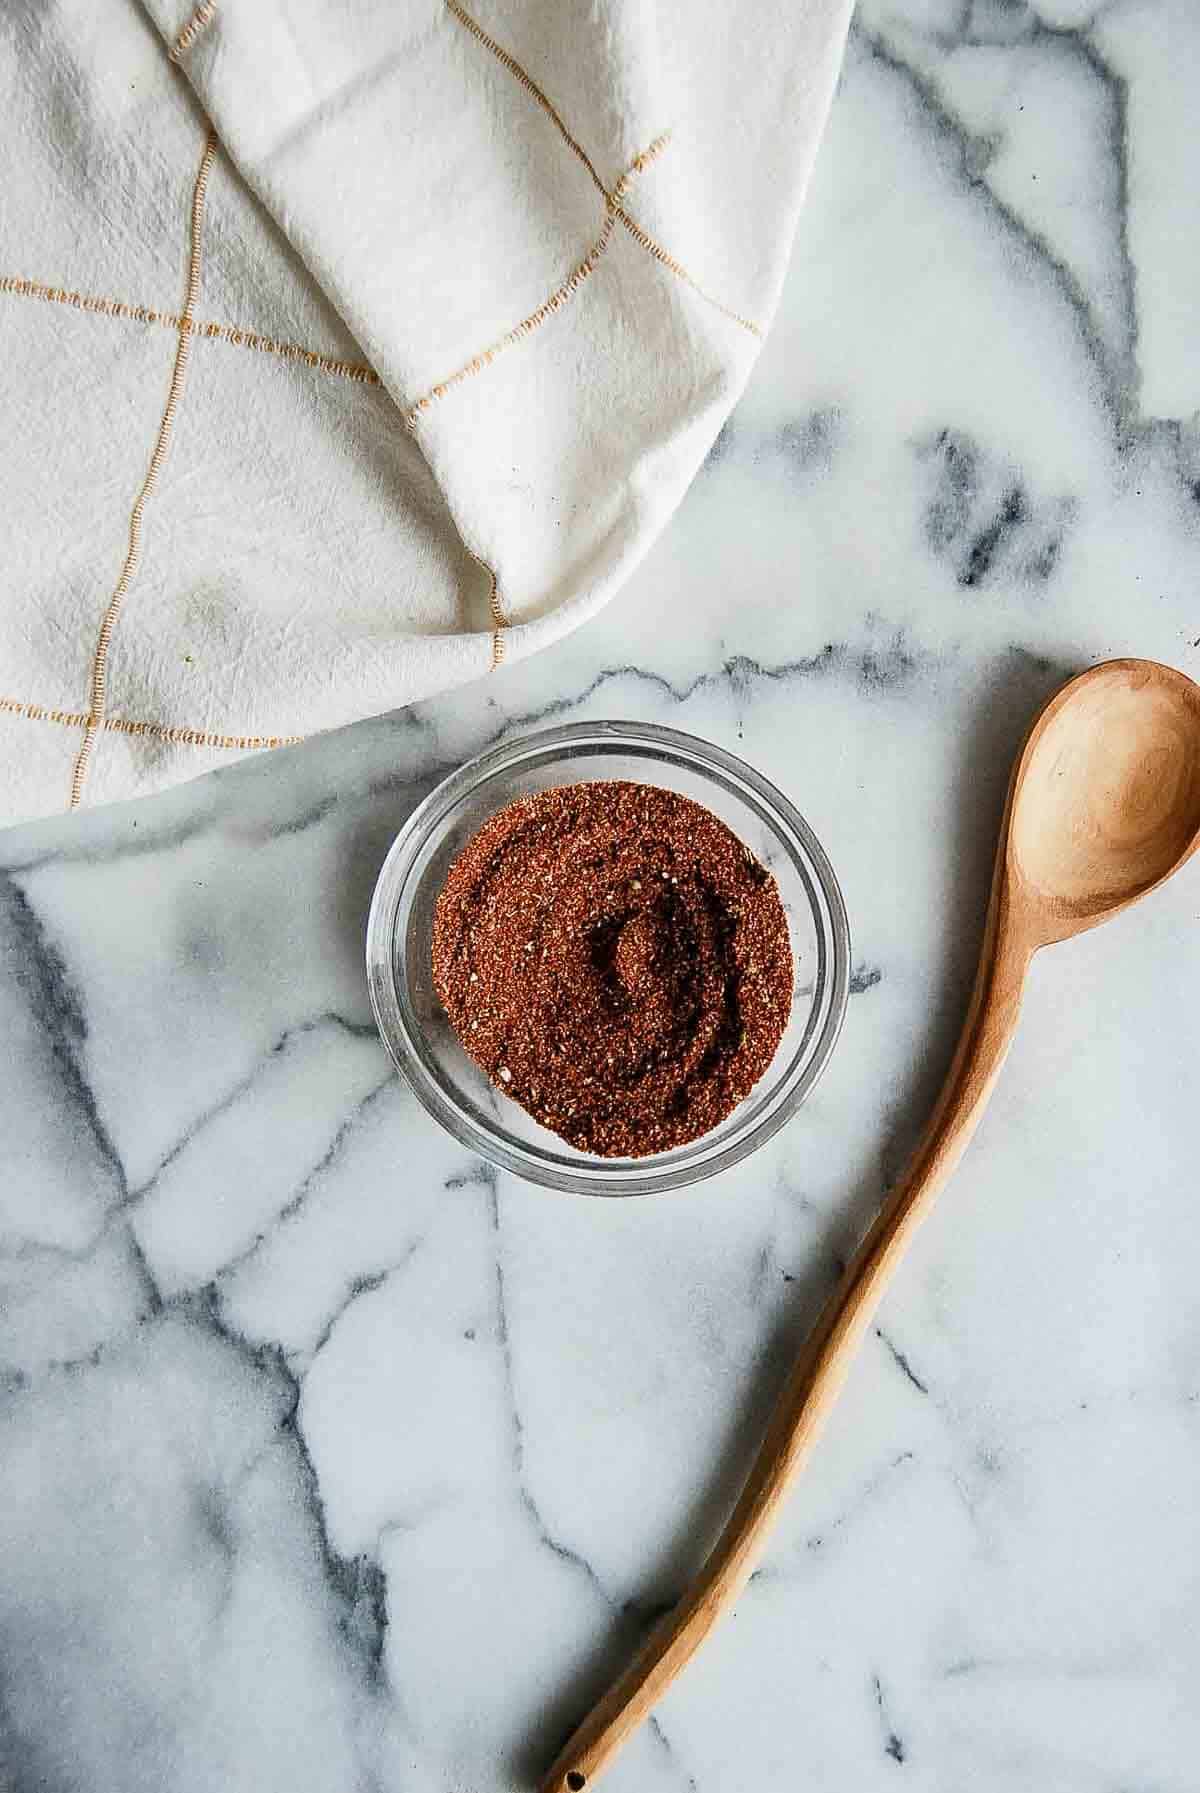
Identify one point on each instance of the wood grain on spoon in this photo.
(1104, 804)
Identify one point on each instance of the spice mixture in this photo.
(616, 961)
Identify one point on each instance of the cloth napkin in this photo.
(350, 350)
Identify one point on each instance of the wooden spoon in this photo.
(1104, 804)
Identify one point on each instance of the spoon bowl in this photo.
(1106, 796)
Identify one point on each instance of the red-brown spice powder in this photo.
(617, 961)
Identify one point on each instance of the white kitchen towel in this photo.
(350, 347)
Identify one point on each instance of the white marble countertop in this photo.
(329, 1460)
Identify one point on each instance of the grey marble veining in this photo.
(330, 1459)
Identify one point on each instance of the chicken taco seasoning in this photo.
(617, 961)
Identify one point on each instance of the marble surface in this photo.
(330, 1460)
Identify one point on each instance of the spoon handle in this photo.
(816, 1380)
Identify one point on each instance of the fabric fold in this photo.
(467, 298)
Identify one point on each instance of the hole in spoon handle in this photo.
(575, 1781)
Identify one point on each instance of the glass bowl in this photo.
(418, 1035)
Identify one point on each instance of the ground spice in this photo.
(617, 961)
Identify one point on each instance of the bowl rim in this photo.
(687, 1164)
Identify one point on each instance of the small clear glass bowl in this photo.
(418, 1034)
